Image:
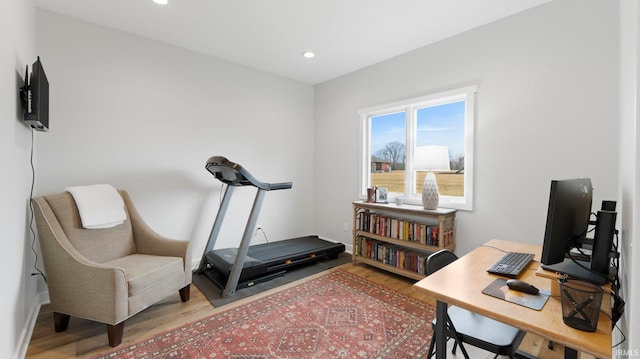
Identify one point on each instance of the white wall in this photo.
(546, 109)
(17, 49)
(145, 116)
(629, 176)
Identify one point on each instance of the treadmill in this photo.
(236, 268)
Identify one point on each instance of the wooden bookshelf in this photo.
(398, 238)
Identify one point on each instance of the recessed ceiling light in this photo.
(161, 2)
(308, 54)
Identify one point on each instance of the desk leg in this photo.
(441, 338)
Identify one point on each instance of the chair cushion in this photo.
(143, 271)
(475, 326)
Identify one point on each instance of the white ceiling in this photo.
(271, 35)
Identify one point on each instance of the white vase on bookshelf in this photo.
(430, 195)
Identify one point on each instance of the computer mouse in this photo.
(522, 286)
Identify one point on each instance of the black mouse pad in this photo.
(499, 289)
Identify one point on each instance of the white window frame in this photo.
(410, 107)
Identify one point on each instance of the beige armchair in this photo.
(106, 275)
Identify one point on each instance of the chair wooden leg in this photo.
(115, 332)
(60, 321)
(185, 293)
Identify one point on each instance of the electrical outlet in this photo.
(345, 227)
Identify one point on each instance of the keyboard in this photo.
(511, 264)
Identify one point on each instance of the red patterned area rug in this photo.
(336, 315)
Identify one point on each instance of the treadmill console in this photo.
(233, 174)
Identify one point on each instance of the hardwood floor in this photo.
(84, 337)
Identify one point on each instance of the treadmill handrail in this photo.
(234, 174)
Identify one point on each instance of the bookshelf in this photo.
(398, 238)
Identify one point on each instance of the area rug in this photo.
(214, 293)
(334, 315)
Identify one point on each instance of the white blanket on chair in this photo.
(100, 205)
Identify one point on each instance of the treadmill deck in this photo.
(267, 258)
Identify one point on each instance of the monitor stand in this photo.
(574, 270)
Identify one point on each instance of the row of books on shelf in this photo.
(398, 228)
(391, 255)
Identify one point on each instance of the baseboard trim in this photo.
(25, 335)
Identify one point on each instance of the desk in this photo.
(461, 284)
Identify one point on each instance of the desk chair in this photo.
(474, 329)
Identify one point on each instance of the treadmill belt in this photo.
(265, 259)
(289, 248)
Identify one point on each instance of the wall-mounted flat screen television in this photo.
(35, 98)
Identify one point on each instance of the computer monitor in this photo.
(568, 218)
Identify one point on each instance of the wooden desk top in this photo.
(461, 284)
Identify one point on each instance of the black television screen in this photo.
(568, 217)
(36, 113)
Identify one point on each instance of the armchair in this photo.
(106, 275)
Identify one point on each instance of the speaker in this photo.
(603, 241)
(608, 206)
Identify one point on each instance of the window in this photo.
(391, 133)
